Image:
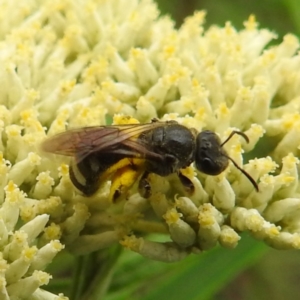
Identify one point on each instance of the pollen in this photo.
(228, 237)
(229, 30)
(291, 120)
(251, 23)
(273, 231)
(268, 58)
(11, 187)
(255, 223)
(43, 186)
(257, 130)
(63, 170)
(84, 112)
(26, 115)
(223, 109)
(67, 86)
(121, 119)
(52, 232)
(138, 53)
(57, 245)
(264, 165)
(29, 253)
(286, 179)
(130, 242)
(290, 160)
(267, 180)
(206, 220)
(28, 213)
(42, 277)
(172, 216)
(237, 149)
(20, 237)
(169, 51)
(34, 158)
(14, 131)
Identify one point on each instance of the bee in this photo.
(126, 153)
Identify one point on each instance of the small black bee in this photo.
(125, 153)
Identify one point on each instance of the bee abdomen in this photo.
(88, 186)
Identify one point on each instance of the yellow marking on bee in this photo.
(125, 173)
(133, 162)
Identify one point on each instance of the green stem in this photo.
(93, 274)
(81, 263)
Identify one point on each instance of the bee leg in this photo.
(123, 179)
(186, 182)
(144, 186)
(153, 120)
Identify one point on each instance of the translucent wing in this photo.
(87, 140)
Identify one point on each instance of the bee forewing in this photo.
(84, 141)
(71, 141)
(122, 133)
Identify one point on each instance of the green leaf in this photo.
(196, 277)
(202, 276)
(294, 12)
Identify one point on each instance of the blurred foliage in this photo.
(195, 277)
(251, 271)
(281, 16)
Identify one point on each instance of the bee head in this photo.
(210, 156)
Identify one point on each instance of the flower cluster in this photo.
(69, 64)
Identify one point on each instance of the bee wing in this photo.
(73, 141)
(84, 141)
(136, 149)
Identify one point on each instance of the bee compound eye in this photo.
(209, 166)
(204, 165)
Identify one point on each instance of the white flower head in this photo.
(71, 64)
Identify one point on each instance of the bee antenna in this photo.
(235, 164)
(245, 173)
(233, 133)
